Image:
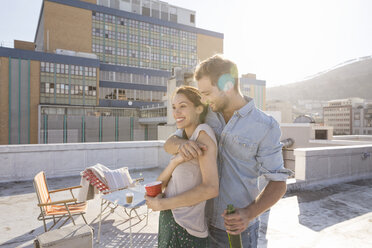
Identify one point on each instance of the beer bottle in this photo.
(235, 241)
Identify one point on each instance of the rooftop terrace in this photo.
(334, 216)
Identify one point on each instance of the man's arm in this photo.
(270, 166)
(187, 148)
(206, 190)
(239, 221)
(173, 143)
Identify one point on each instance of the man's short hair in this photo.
(216, 66)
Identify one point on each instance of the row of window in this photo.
(65, 89)
(140, 52)
(97, 16)
(337, 114)
(357, 131)
(143, 55)
(132, 78)
(101, 28)
(340, 125)
(131, 95)
(326, 109)
(336, 119)
(65, 68)
(90, 111)
(136, 62)
(49, 78)
(173, 45)
(65, 100)
(153, 113)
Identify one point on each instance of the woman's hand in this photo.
(154, 203)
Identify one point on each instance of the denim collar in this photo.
(243, 111)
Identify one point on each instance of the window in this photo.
(145, 10)
(121, 95)
(321, 134)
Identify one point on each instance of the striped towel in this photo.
(104, 179)
(119, 178)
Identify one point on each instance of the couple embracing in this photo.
(223, 146)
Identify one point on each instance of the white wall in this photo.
(23, 162)
(333, 164)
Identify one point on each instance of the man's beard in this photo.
(221, 106)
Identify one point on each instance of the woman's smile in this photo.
(180, 119)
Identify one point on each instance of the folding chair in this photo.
(57, 209)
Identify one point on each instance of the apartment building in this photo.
(339, 115)
(254, 88)
(362, 119)
(96, 69)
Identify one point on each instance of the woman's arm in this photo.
(166, 175)
(206, 190)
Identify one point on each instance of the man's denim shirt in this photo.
(249, 150)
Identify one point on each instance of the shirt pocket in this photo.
(243, 148)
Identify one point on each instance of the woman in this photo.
(187, 184)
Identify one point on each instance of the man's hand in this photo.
(237, 222)
(154, 203)
(191, 149)
(178, 159)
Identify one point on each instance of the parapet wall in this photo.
(331, 165)
(23, 162)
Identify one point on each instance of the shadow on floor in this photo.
(325, 207)
(111, 236)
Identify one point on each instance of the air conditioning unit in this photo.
(65, 52)
(175, 70)
(87, 55)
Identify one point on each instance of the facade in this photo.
(339, 115)
(362, 119)
(254, 88)
(97, 70)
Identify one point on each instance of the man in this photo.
(249, 150)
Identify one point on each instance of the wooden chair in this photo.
(57, 209)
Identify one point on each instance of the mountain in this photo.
(350, 79)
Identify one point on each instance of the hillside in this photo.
(351, 79)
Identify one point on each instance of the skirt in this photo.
(172, 235)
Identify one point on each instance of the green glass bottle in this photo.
(235, 241)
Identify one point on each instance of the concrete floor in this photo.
(335, 216)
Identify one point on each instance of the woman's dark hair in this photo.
(194, 96)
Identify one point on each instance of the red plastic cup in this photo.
(153, 188)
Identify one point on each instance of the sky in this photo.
(280, 41)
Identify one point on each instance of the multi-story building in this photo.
(254, 88)
(338, 114)
(362, 119)
(96, 69)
